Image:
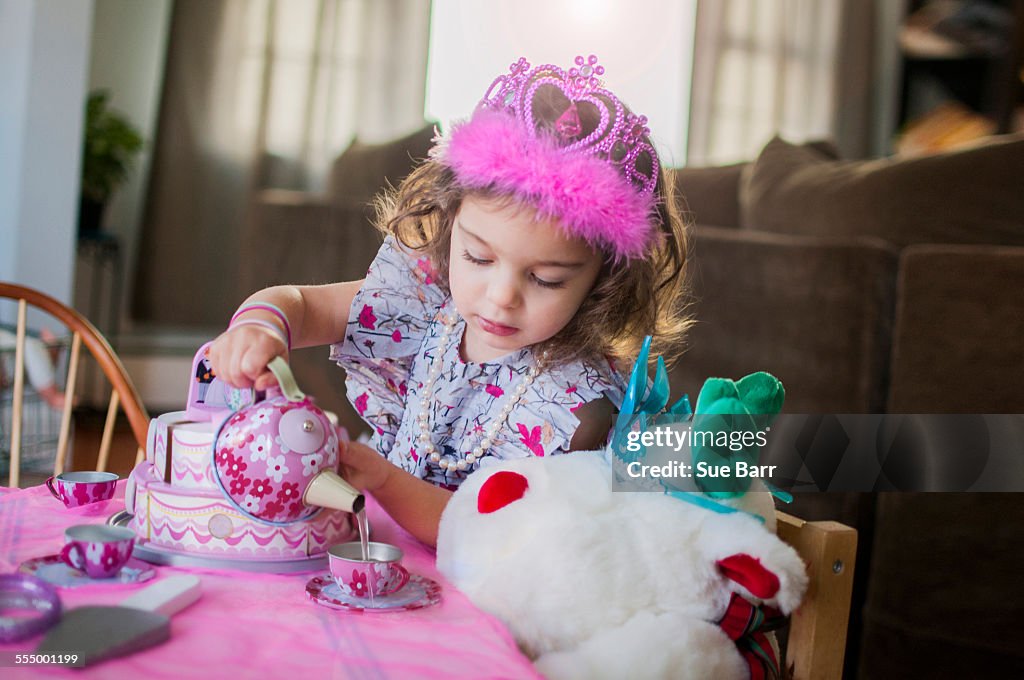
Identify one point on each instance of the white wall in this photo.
(646, 47)
(15, 24)
(44, 50)
(129, 45)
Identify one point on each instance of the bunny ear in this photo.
(499, 490)
(751, 574)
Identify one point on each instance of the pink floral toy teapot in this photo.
(276, 458)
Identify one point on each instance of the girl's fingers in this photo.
(265, 381)
(234, 374)
(240, 356)
(363, 467)
(216, 355)
(224, 358)
(253, 363)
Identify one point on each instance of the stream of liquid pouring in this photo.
(364, 533)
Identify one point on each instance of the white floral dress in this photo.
(394, 330)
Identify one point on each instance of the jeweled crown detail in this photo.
(619, 136)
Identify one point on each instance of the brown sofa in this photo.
(882, 286)
(866, 287)
(852, 280)
(302, 237)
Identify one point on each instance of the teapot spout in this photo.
(328, 490)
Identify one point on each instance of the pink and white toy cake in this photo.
(177, 504)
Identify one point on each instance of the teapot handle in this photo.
(289, 388)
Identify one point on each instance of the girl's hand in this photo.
(412, 502)
(240, 355)
(363, 467)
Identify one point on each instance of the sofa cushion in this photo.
(957, 338)
(945, 593)
(362, 170)
(709, 195)
(813, 312)
(971, 195)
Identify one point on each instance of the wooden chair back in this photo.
(123, 392)
(817, 630)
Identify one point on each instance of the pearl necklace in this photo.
(480, 450)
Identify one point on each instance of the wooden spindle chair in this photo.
(123, 392)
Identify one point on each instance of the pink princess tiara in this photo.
(595, 172)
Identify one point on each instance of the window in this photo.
(646, 48)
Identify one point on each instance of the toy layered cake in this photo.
(177, 502)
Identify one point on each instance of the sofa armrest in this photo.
(959, 322)
(815, 312)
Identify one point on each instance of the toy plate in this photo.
(52, 570)
(418, 593)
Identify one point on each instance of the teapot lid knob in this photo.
(302, 432)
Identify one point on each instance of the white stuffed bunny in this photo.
(596, 584)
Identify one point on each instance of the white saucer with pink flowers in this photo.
(52, 570)
(418, 593)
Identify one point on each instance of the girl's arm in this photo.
(414, 504)
(317, 315)
(595, 423)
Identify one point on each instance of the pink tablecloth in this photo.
(261, 625)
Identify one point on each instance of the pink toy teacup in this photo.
(98, 550)
(81, 488)
(382, 574)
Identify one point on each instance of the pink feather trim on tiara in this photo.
(589, 196)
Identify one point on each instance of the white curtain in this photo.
(296, 79)
(262, 93)
(330, 69)
(800, 68)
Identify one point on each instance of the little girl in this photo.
(522, 261)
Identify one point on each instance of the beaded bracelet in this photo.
(266, 307)
(266, 324)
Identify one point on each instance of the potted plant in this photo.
(108, 153)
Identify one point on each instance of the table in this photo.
(262, 625)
